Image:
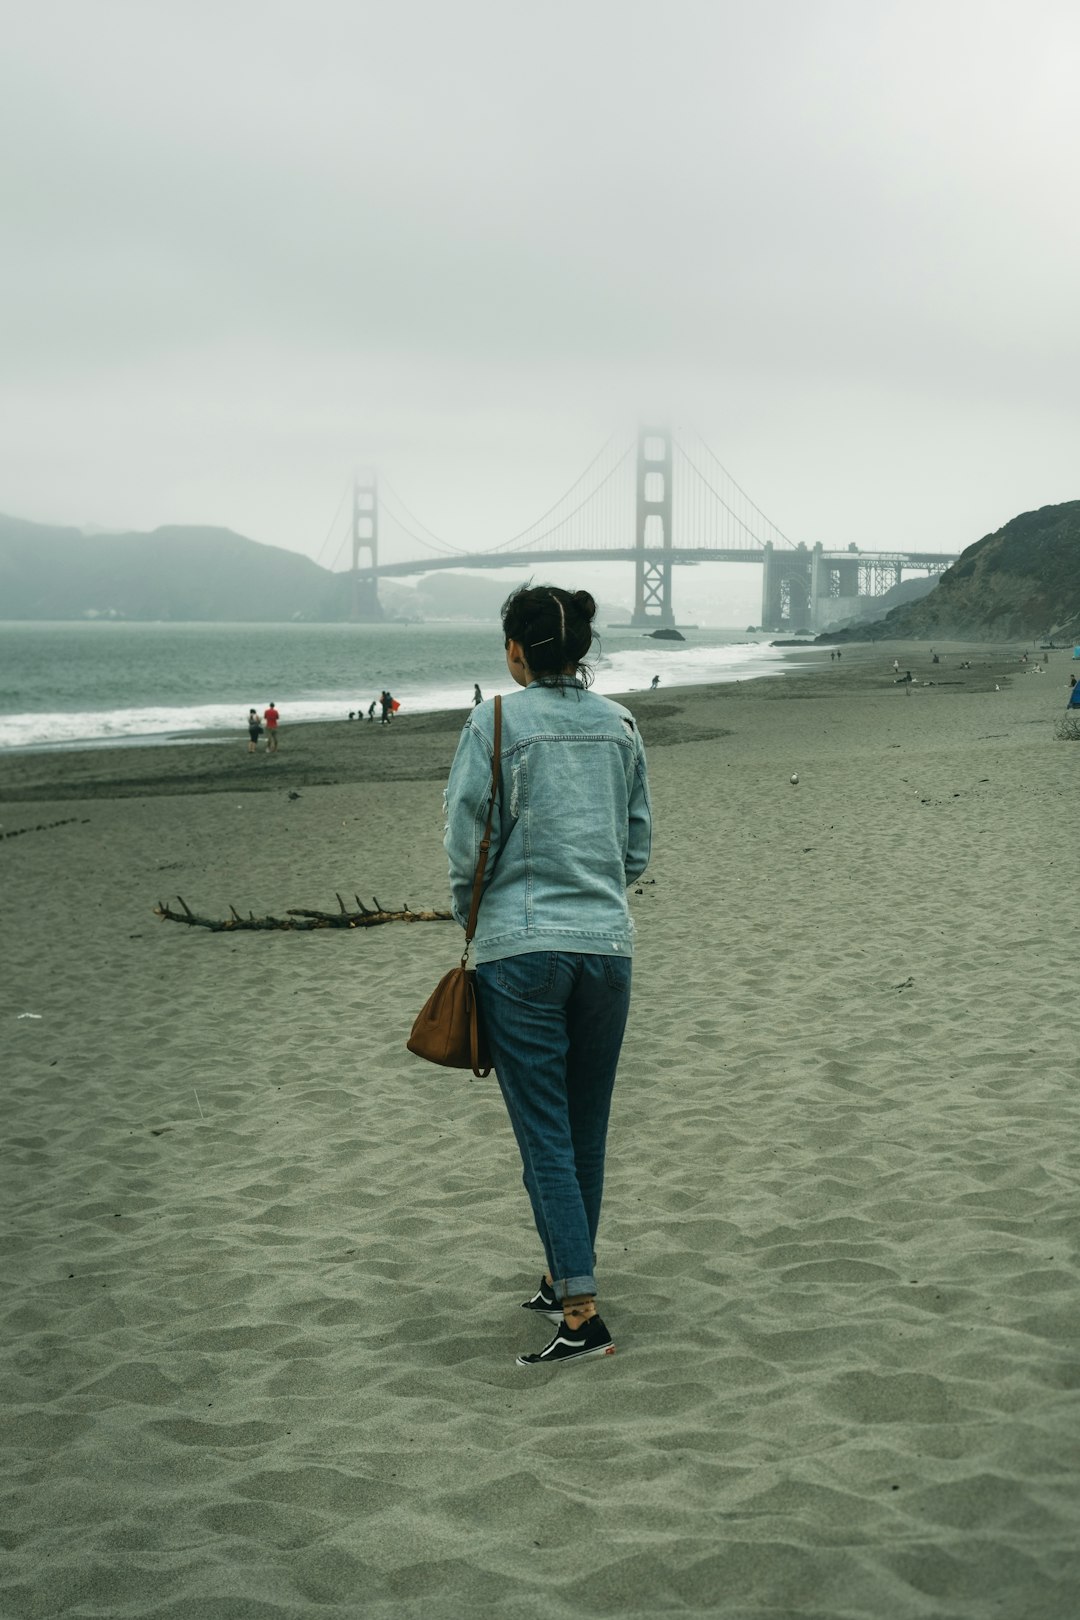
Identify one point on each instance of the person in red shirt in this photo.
(271, 717)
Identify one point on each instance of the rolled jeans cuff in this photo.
(571, 1287)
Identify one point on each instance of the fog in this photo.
(249, 247)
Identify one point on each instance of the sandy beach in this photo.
(262, 1267)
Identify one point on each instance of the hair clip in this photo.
(543, 643)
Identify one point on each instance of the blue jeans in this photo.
(554, 1023)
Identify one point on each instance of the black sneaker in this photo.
(544, 1303)
(573, 1344)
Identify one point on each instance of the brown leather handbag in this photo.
(447, 1028)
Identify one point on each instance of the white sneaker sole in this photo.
(567, 1361)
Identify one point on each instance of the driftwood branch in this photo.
(44, 826)
(299, 919)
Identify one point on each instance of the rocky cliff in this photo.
(1020, 583)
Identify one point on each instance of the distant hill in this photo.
(1020, 583)
(173, 573)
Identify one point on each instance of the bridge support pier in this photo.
(786, 587)
(839, 585)
(652, 580)
(819, 584)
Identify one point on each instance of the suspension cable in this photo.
(730, 510)
(502, 546)
(535, 539)
(330, 530)
(434, 540)
(418, 539)
(749, 499)
(346, 537)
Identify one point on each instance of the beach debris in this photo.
(28, 1015)
(293, 794)
(794, 778)
(908, 984)
(301, 919)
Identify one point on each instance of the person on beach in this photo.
(654, 683)
(271, 717)
(254, 731)
(371, 711)
(387, 708)
(571, 830)
(477, 696)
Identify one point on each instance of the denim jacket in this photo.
(572, 824)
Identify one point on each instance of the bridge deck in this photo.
(683, 555)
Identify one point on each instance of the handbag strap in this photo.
(485, 842)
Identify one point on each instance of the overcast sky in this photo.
(248, 245)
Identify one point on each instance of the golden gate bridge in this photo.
(658, 503)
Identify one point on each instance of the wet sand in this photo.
(421, 747)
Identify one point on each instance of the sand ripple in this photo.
(262, 1268)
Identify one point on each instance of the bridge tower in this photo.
(786, 587)
(366, 607)
(652, 575)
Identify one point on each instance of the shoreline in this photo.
(427, 678)
(420, 746)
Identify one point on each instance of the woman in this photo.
(571, 829)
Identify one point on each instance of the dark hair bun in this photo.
(554, 628)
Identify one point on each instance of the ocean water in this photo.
(74, 684)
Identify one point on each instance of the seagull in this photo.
(794, 778)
